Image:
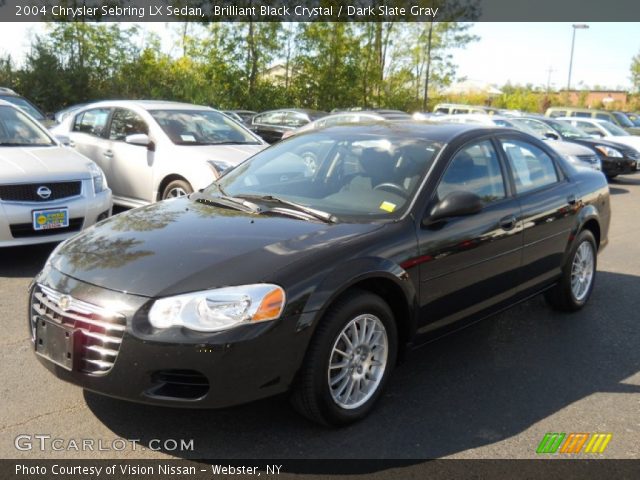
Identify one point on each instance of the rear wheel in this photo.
(578, 275)
(177, 188)
(348, 362)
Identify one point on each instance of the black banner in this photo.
(318, 10)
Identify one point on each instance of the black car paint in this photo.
(436, 277)
(273, 132)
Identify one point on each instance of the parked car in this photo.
(360, 116)
(605, 130)
(272, 125)
(456, 109)
(47, 192)
(12, 97)
(576, 154)
(617, 118)
(153, 150)
(60, 115)
(616, 158)
(634, 118)
(243, 116)
(282, 277)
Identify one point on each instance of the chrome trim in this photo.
(100, 331)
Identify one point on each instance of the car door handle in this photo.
(508, 222)
(572, 199)
(108, 154)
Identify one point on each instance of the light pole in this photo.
(576, 26)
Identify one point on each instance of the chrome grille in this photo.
(28, 192)
(100, 330)
(589, 158)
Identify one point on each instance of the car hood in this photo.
(630, 141)
(180, 246)
(568, 148)
(233, 154)
(605, 142)
(40, 164)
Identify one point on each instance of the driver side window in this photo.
(475, 169)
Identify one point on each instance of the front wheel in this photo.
(177, 188)
(578, 275)
(348, 362)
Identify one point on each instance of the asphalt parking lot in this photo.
(490, 391)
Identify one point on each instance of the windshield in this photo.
(567, 130)
(16, 129)
(613, 129)
(201, 127)
(622, 119)
(24, 105)
(351, 176)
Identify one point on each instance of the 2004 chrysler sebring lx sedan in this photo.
(315, 264)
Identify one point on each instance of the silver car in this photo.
(47, 191)
(153, 150)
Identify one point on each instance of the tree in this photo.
(635, 72)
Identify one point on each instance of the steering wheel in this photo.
(393, 188)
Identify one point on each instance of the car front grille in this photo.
(99, 331)
(28, 192)
(23, 230)
(592, 159)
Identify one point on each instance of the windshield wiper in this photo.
(312, 212)
(228, 201)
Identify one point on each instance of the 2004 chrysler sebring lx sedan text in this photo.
(313, 266)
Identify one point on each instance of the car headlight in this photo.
(608, 151)
(97, 175)
(219, 309)
(219, 166)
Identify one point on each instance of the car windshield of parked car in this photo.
(24, 105)
(623, 120)
(201, 127)
(567, 130)
(17, 130)
(614, 129)
(352, 176)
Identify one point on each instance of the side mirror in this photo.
(64, 140)
(140, 139)
(552, 135)
(456, 204)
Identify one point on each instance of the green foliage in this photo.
(635, 72)
(226, 65)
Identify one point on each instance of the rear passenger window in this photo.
(474, 169)
(603, 116)
(581, 114)
(558, 113)
(532, 168)
(93, 122)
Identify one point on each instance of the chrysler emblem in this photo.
(44, 192)
(64, 302)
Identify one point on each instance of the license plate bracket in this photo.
(55, 343)
(50, 218)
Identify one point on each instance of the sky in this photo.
(519, 53)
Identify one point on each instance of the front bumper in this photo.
(619, 166)
(84, 211)
(179, 367)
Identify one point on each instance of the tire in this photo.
(174, 189)
(312, 395)
(611, 177)
(567, 297)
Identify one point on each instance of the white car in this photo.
(598, 128)
(48, 192)
(576, 154)
(153, 150)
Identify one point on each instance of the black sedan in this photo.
(313, 266)
(617, 159)
(272, 125)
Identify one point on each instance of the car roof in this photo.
(440, 132)
(148, 105)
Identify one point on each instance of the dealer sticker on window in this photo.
(48, 219)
